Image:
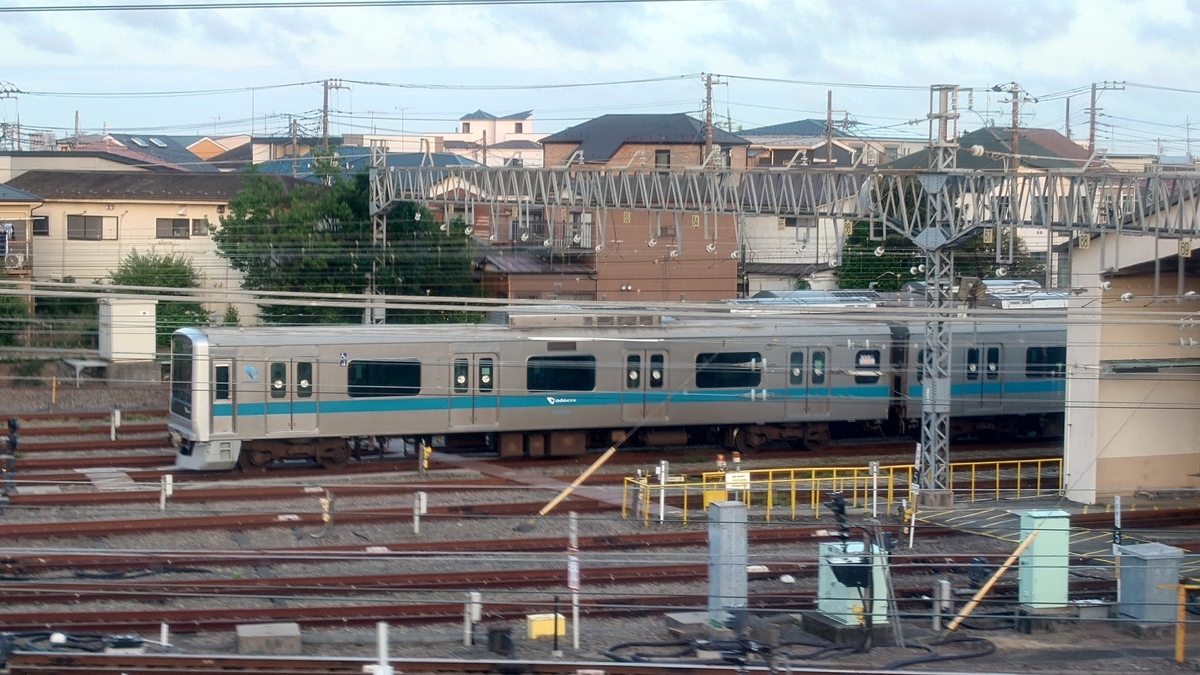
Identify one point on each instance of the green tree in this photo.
(14, 317)
(318, 239)
(164, 271)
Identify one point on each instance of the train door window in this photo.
(366, 379)
(796, 368)
(921, 365)
(304, 379)
(462, 373)
(973, 364)
(993, 363)
(221, 382)
(818, 367)
(658, 367)
(633, 371)
(486, 375)
(278, 380)
(867, 366)
(1056, 361)
(715, 370)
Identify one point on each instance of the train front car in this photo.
(189, 420)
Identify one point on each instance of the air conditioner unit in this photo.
(14, 261)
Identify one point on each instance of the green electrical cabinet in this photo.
(1043, 565)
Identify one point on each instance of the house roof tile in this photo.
(600, 138)
(127, 185)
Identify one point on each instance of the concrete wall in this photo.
(1136, 430)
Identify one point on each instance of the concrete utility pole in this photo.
(829, 127)
(708, 127)
(1016, 96)
(294, 149)
(329, 84)
(1068, 118)
(1098, 86)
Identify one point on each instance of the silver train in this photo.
(538, 387)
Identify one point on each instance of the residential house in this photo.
(481, 137)
(804, 142)
(88, 221)
(352, 159)
(17, 227)
(155, 150)
(206, 147)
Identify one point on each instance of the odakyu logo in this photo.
(552, 400)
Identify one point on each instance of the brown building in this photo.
(631, 255)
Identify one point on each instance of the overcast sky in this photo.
(1048, 46)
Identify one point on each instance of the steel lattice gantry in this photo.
(936, 209)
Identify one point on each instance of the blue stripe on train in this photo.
(1054, 385)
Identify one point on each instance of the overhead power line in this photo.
(308, 4)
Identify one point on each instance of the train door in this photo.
(473, 390)
(807, 383)
(224, 407)
(291, 393)
(644, 392)
(984, 378)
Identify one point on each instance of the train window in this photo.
(278, 380)
(715, 370)
(818, 367)
(658, 367)
(921, 365)
(633, 371)
(486, 375)
(867, 365)
(561, 373)
(181, 377)
(365, 379)
(221, 382)
(993, 363)
(796, 368)
(973, 364)
(304, 379)
(462, 373)
(1046, 362)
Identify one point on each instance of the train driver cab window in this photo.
(973, 364)
(278, 380)
(867, 366)
(576, 372)
(304, 379)
(658, 373)
(796, 368)
(221, 382)
(487, 376)
(818, 367)
(633, 372)
(716, 370)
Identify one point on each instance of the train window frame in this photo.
(304, 380)
(222, 387)
(487, 374)
(658, 371)
(181, 376)
(818, 374)
(461, 375)
(796, 368)
(728, 370)
(633, 371)
(556, 373)
(1046, 362)
(877, 357)
(920, 365)
(973, 364)
(992, 365)
(372, 383)
(278, 379)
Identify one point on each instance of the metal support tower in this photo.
(936, 241)
(376, 313)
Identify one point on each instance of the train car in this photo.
(249, 396)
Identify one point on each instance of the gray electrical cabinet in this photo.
(727, 558)
(1145, 567)
(847, 604)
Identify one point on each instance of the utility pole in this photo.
(1016, 96)
(75, 141)
(708, 127)
(829, 127)
(329, 84)
(1098, 86)
(294, 149)
(1068, 118)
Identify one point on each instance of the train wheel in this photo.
(253, 460)
(334, 457)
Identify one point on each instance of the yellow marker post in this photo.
(1181, 617)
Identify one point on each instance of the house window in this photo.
(662, 159)
(85, 227)
(466, 127)
(199, 227)
(519, 128)
(41, 226)
(172, 228)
